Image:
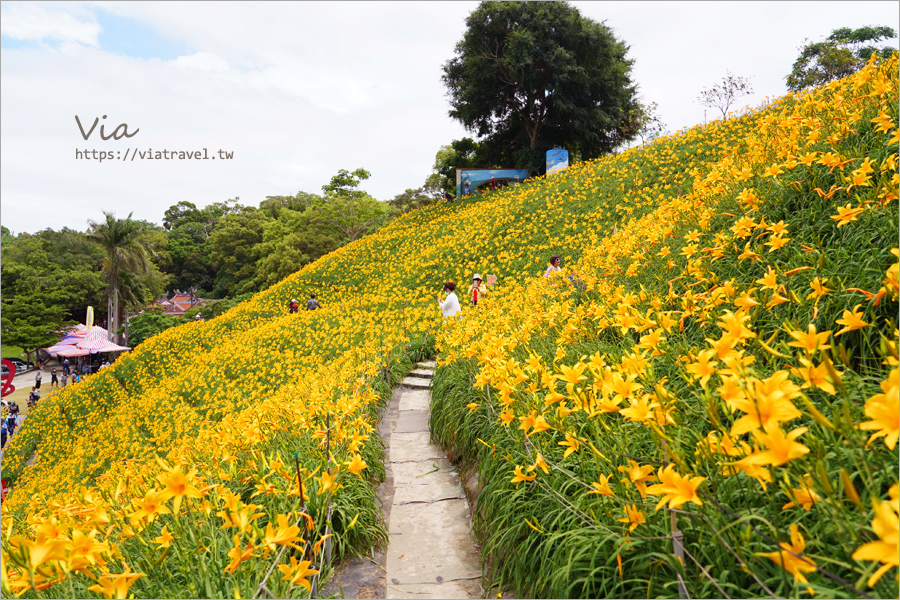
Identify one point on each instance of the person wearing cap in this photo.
(477, 290)
(293, 306)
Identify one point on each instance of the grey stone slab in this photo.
(416, 382)
(427, 364)
(448, 589)
(406, 473)
(413, 447)
(426, 373)
(430, 541)
(412, 421)
(415, 400)
(429, 489)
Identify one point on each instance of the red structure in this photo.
(181, 302)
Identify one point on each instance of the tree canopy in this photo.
(528, 76)
(127, 254)
(843, 52)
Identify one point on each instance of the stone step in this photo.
(427, 364)
(421, 373)
(415, 399)
(416, 382)
(431, 543)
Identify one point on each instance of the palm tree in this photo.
(125, 253)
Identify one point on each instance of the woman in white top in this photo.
(554, 265)
(450, 306)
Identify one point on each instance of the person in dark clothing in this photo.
(66, 367)
(11, 423)
(312, 303)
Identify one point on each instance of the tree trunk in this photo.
(112, 313)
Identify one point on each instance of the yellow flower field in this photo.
(705, 398)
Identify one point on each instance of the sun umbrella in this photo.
(73, 351)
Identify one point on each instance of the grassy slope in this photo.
(622, 365)
(255, 380)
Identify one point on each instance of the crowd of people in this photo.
(59, 377)
(450, 304)
(9, 422)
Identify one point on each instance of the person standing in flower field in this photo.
(477, 290)
(450, 306)
(293, 306)
(312, 303)
(554, 265)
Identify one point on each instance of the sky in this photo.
(296, 91)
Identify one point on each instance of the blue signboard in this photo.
(557, 160)
(478, 180)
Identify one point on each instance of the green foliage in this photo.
(460, 154)
(127, 255)
(5, 236)
(528, 76)
(345, 184)
(49, 279)
(349, 212)
(411, 199)
(843, 52)
(644, 122)
(148, 324)
(30, 320)
(234, 249)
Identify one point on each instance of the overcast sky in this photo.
(297, 91)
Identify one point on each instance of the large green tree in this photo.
(528, 76)
(234, 249)
(49, 280)
(188, 251)
(843, 52)
(126, 252)
(349, 211)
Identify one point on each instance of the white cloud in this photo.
(300, 90)
(33, 22)
(203, 61)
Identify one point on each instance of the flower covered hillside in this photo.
(706, 403)
(703, 400)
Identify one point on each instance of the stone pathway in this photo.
(431, 551)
